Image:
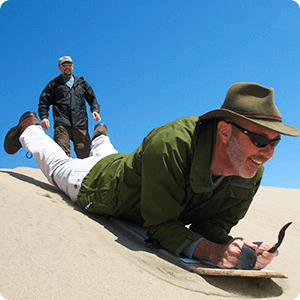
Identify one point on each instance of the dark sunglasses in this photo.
(257, 139)
(67, 65)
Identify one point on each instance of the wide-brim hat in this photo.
(254, 103)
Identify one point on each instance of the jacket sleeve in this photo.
(46, 99)
(90, 97)
(230, 205)
(166, 161)
(217, 228)
(165, 172)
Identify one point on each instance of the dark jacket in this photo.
(69, 107)
(165, 184)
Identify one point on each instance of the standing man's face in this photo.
(66, 69)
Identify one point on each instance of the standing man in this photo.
(67, 93)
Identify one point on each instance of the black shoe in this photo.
(11, 142)
(99, 129)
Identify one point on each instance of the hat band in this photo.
(262, 116)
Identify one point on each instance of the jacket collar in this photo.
(200, 176)
(77, 80)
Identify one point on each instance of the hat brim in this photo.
(69, 61)
(270, 124)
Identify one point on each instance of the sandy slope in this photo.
(51, 249)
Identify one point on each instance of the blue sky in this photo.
(150, 62)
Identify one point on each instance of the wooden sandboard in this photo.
(203, 268)
(238, 273)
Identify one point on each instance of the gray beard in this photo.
(236, 157)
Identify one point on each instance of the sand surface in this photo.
(51, 249)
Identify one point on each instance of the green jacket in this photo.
(165, 184)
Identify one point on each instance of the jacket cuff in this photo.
(191, 239)
(190, 249)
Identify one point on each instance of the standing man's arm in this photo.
(46, 99)
(92, 101)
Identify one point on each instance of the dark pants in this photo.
(79, 137)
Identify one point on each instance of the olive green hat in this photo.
(252, 102)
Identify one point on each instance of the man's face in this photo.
(245, 157)
(66, 69)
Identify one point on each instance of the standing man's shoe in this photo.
(11, 142)
(100, 129)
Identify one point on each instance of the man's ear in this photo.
(224, 131)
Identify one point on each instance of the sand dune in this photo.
(51, 249)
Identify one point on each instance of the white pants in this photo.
(63, 171)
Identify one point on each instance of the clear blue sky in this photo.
(150, 62)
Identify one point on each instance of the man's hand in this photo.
(45, 123)
(231, 253)
(224, 256)
(263, 256)
(227, 256)
(96, 116)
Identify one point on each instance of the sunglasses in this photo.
(257, 139)
(67, 65)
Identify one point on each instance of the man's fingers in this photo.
(262, 247)
(231, 253)
(230, 256)
(264, 258)
(250, 244)
(229, 262)
(96, 116)
(45, 124)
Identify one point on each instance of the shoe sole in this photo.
(15, 128)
